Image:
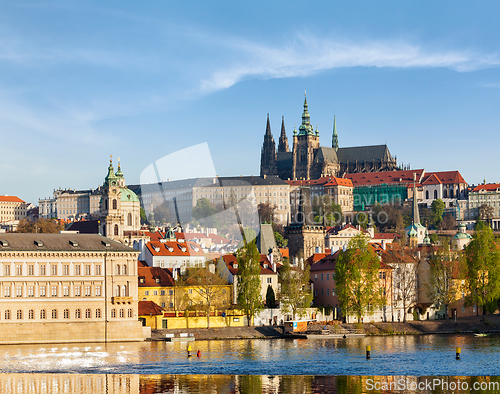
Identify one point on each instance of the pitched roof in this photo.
(174, 248)
(311, 182)
(326, 154)
(326, 263)
(364, 153)
(154, 277)
(10, 199)
(232, 264)
(403, 177)
(489, 187)
(85, 226)
(340, 182)
(265, 239)
(449, 177)
(432, 180)
(247, 181)
(60, 242)
(148, 308)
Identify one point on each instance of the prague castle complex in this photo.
(309, 160)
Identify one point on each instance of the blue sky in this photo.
(140, 80)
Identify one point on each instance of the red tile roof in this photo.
(232, 264)
(174, 248)
(432, 180)
(489, 187)
(325, 180)
(326, 263)
(448, 177)
(154, 277)
(10, 199)
(388, 177)
(316, 257)
(285, 252)
(148, 308)
(386, 236)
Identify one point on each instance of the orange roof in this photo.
(448, 177)
(340, 182)
(389, 177)
(232, 264)
(432, 180)
(149, 308)
(324, 180)
(154, 277)
(10, 199)
(174, 248)
(284, 252)
(489, 187)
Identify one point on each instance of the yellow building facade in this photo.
(57, 288)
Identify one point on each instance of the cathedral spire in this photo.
(268, 153)
(283, 142)
(268, 127)
(335, 137)
(306, 128)
(415, 214)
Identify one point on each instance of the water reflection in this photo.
(391, 356)
(244, 384)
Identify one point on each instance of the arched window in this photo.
(54, 313)
(445, 194)
(7, 315)
(113, 313)
(106, 204)
(427, 194)
(124, 270)
(19, 314)
(78, 314)
(116, 229)
(87, 313)
(115, 204)
(117, 291)
(124, 291)
(104, 230)
(435, 194)
(130, 313)
(122, 312)
(117, 270)
(66, 314)
(302, 156)
(31, 314)
(129, 219)
(43, 315)
(451, 193)
(98, 313)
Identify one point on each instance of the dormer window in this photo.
(156, 248)
(266, 265)
(141, 280)
(235, 265)
(157, 280)
(170, 249)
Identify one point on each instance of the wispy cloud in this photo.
(308, 55)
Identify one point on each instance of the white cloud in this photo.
(308, 55)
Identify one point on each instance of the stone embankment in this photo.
(476, 324)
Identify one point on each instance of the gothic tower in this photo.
(268, 165)
(305, 143)
(283, 142)
(335, 137)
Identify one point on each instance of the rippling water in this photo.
(240, 366)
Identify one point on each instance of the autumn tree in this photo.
(405, 261)
(356, 278)
(446, 273)
(482, 258)
(266, 212)
(248, 280)
(210, 287)
(39, 226)
(295, 295)
(485, 213)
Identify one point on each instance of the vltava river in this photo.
(273, 366)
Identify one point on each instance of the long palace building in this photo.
(57, 288)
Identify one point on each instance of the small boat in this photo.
(481, 335)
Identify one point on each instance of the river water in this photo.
(277, 365)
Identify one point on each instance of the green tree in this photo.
(295, 295)
(356, 278)
(248, 280)
(446, 272)
(204, 211)
(281, 241)
(485, 213)
(437, 210)
(482, 257)
(144, 219)
(270, 297)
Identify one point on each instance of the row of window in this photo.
(53, 269)
(78, 314)
(42, 291)
(322, 292)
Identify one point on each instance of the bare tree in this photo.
(405, 261)
(210, 289)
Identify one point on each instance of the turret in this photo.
(335, 137)
(283, 142)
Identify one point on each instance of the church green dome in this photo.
(128, 195)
